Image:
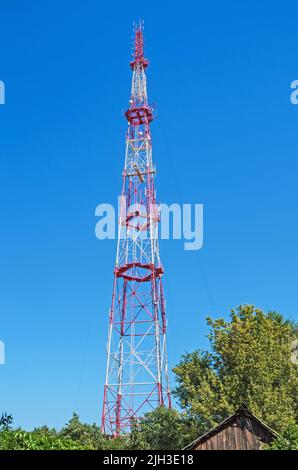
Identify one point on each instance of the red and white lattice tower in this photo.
(137, 369)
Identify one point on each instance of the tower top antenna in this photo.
(138, 53)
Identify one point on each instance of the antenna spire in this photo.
(138, 53)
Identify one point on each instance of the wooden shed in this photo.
(240, 431)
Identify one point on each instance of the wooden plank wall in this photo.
(236, 436)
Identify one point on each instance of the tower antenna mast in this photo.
(137, 379)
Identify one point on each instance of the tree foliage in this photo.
(5, 421)
(73, 436)
(161, 429)
(90, 435)
(249, 362)
(288, 440)
(35, 440)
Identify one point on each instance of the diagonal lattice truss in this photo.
(137, 369)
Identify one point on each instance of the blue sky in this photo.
(225, 136)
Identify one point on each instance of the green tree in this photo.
(137, 439)
(161, 429)
(73, 436)
(35, 440)
(288, 440)
(249, 362)
(5, 421)
(90, 435)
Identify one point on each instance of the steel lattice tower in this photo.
(137, 369)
